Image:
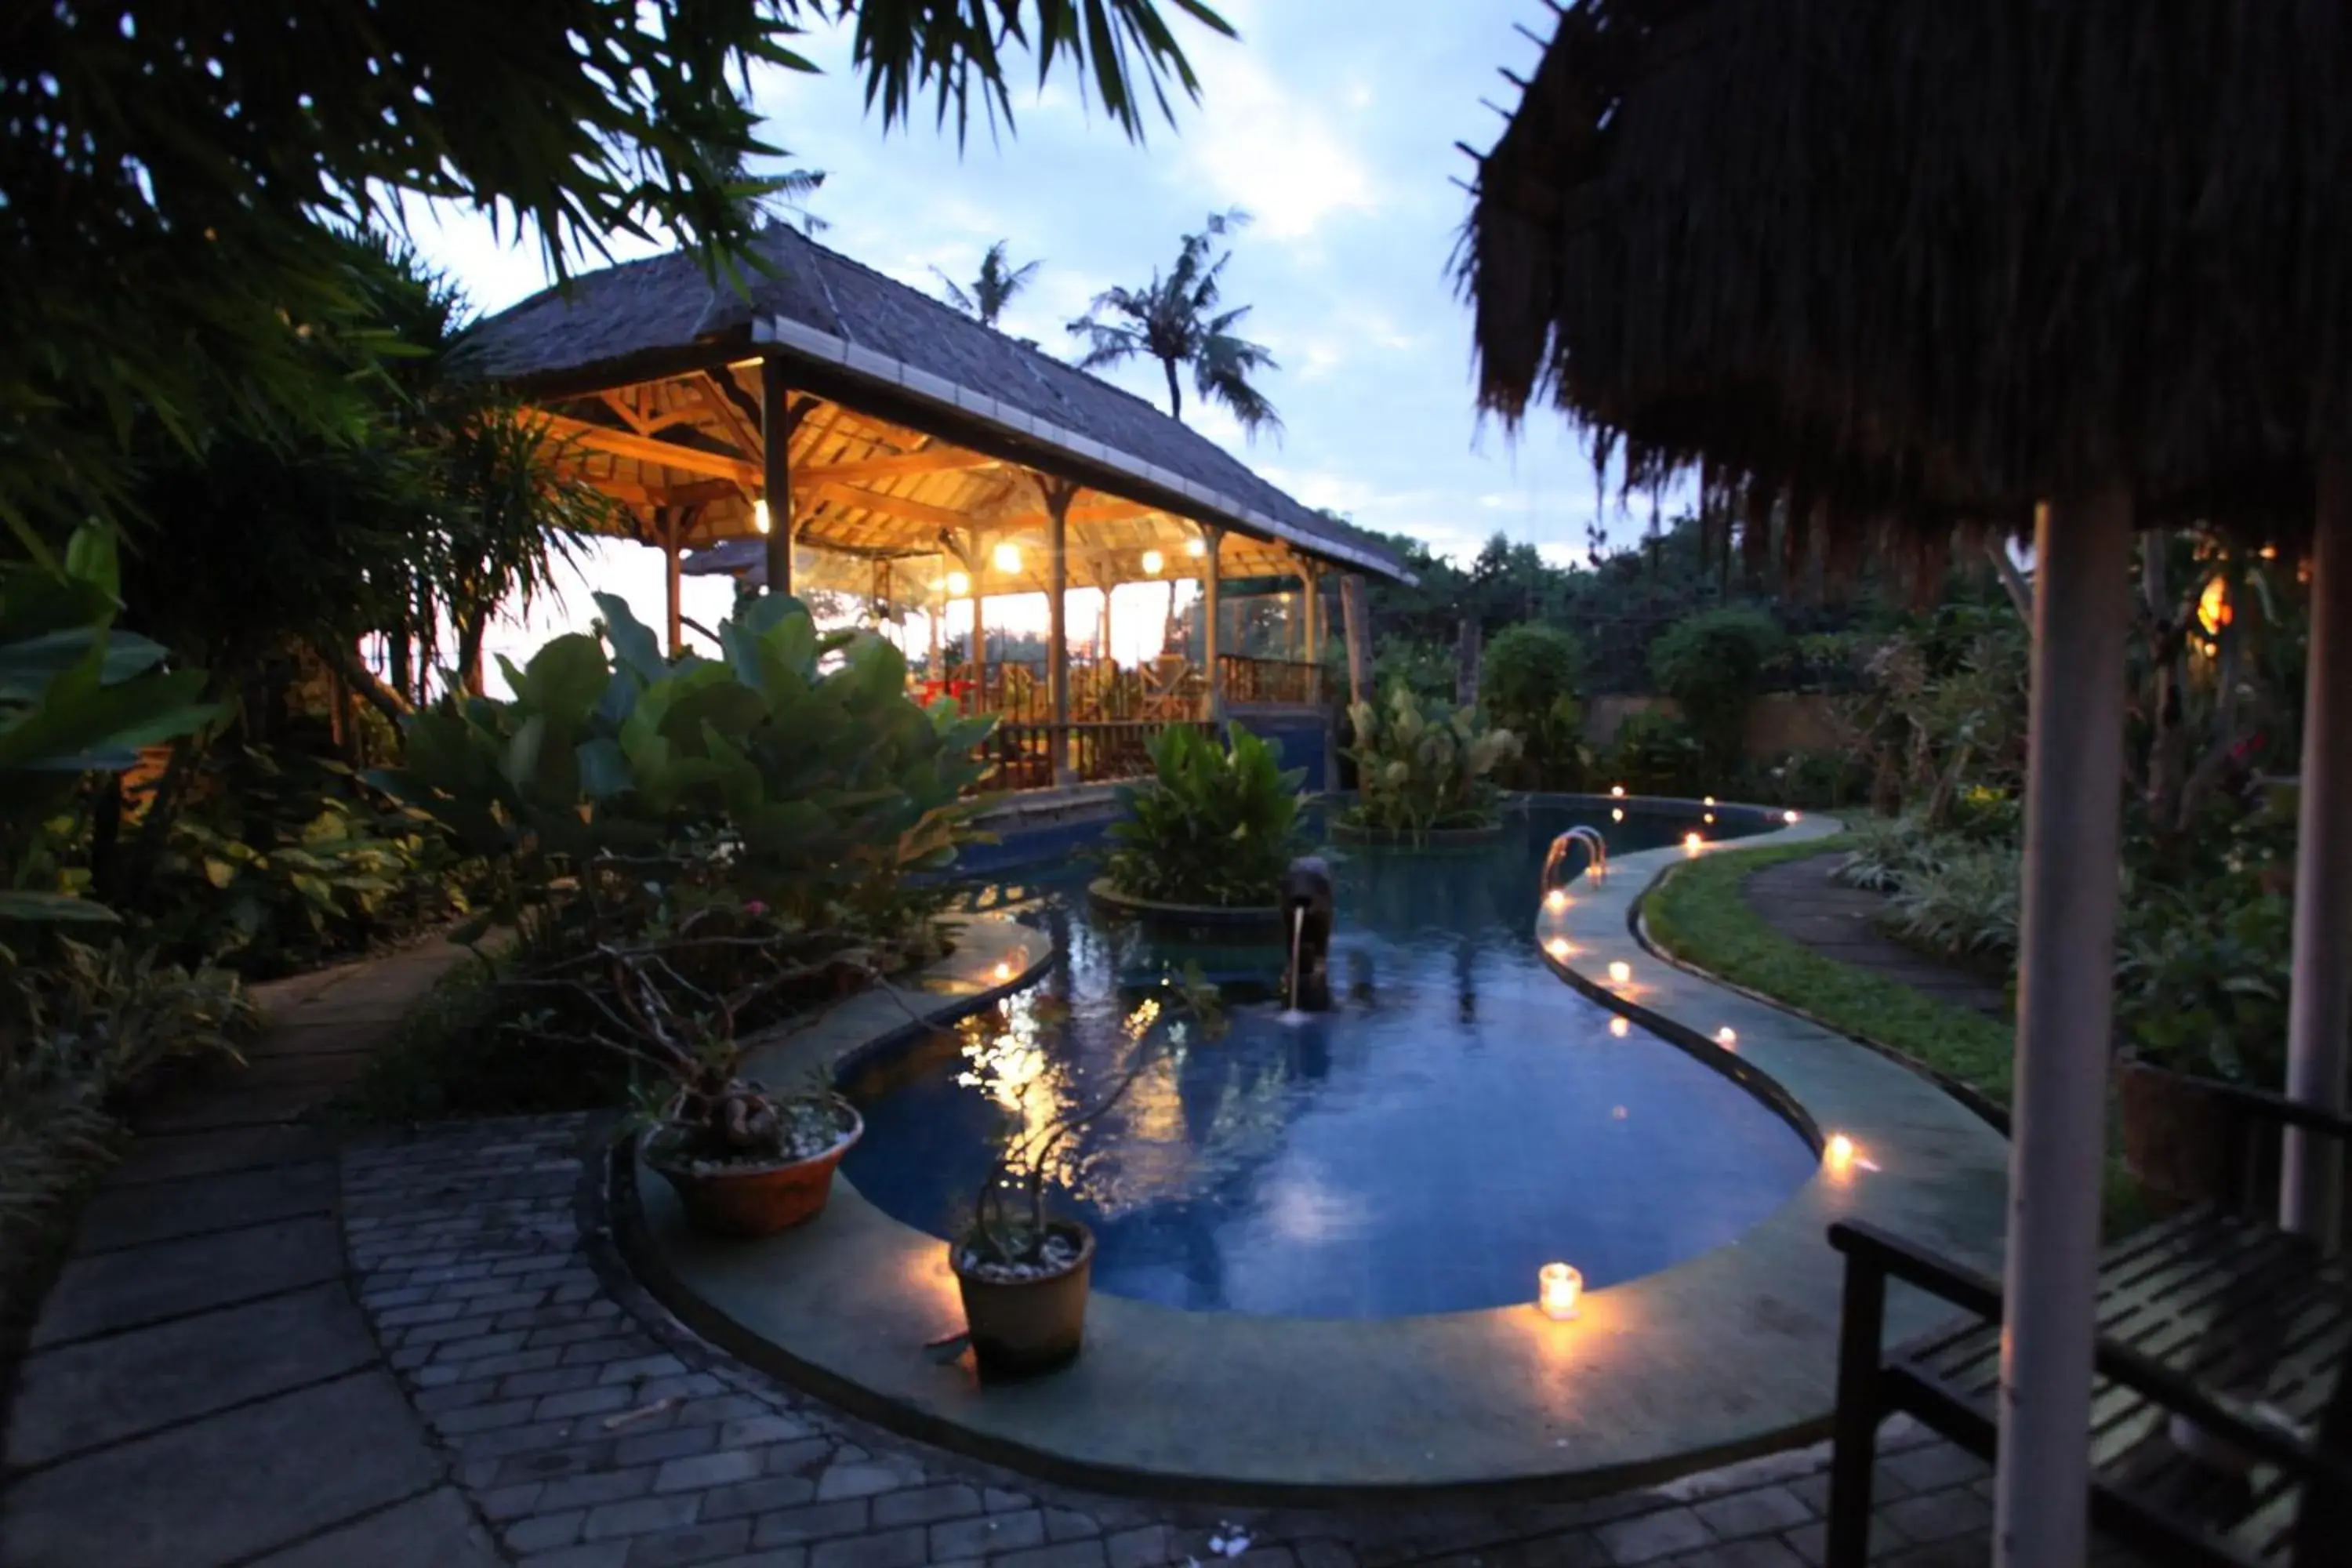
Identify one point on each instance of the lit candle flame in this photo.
(1555, 900)
(1789, 816)
(1838, 1152)
(1726, 1038)
(1560, 1289)
(1691, 842)
(1620, 973)
(1558, 947)
(1708, 801)
(1618, 791)
(1004, 971)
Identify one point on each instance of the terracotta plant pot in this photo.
(2186, 1146)
(1020, 1326)
(757, 1200)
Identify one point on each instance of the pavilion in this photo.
(815, 424)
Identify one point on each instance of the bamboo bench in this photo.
(2207, 1318)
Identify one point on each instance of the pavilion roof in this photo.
(890, 375)
(1927, 260)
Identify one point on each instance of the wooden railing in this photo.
(1247, 680)
(1023, 756)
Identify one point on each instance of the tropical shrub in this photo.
(2202, 976)
(689, 850)
(1212, 826)
(1656, 753)
(1963, 904)
(1417, 771)
(1527, 684)
(1715, 665)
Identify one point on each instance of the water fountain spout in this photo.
(1306, 915)
(1596, 854)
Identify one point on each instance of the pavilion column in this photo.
(776, 472)
(1211, 608)
(1310, 617)
(2065, 1006)
(1059, 496)
(1351, 612)
(2319, 1001)
(669, 516)
(979, 625)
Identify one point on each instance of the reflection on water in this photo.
(1457, 1119)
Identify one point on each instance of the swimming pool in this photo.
(1458, 1119)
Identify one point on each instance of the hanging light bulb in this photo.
(760, 514)
(1006, 557)
(1153, 562)
(958, 584)
(1196, 548)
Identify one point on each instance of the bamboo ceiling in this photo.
(684, 453)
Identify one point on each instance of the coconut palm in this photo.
(990, 293)
(1175, 321)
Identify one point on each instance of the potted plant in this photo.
(1024, 1274)
(1424, 776)
(1208, 837)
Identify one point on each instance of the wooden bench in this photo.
(2206, 1319)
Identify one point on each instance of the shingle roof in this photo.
(631, 319)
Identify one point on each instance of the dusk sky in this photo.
(1332, 125)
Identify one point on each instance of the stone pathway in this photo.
(1799, 899)
(422, 1350)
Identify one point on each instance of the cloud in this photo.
(1273, 153)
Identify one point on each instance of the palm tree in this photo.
(1175, 321)
(993, 289)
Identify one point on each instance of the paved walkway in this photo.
(1799, 899)
(420, 1350)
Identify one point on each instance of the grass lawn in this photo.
(1698, 915)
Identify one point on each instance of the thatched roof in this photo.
(893, 368)
(1929, 259)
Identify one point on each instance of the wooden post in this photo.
(2319, 998)
(1352, 611)
(776, 472)
(2066, 996)
(1212, 603)
(1311, 611)
(979, 625)
(1466, 648)
(1058, 494)
(935, 609)
(670, 516)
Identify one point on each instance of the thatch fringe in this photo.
(1934, 258)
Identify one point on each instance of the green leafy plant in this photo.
(1656, 753)
(1418, 772)
(1716, 664)
(77, 697)
(1213, 824)
(2203, 978)
(1528, 683)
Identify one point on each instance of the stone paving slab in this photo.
(135, 1215)
(141, 1285)
(124, 1386)
(436, 1530)
(218, 1491)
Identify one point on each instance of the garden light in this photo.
(1620, 973)
(760, 514)
(1726, 1038)
(1555, 900)
(1838, 1154)
(1617, 791)
(1620, 1027)
(1558, 947)
(1790, 817)
(1561, 1287)
(1691, 842)
(1708, 801)
(1152, 563)
(1003, 972)
(1006, 557)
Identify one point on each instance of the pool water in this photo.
(1460, 1117)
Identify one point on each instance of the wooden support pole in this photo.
(1059, 496)
(2319, 998)
(1352, 611)
(2066, 996)
(1212, 605)
(776, 472)
(1311, 612)
(672, 521)
(979, 627)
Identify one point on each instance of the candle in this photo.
(1620, 973)
(1561, 1287)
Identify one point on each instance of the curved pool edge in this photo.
(1722, 1357)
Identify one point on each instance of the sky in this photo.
(1332, 123)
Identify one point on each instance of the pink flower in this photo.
(755, 907)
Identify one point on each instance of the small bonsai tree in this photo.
(1212, 826)
(1011, 1233)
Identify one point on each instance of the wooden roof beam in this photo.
(942, 461)
(646, 450)
(889, 506)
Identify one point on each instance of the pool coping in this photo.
(1723, 1356)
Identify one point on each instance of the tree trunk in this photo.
(1175, 392)
(363, 681)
